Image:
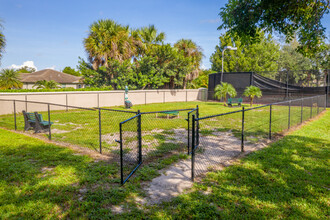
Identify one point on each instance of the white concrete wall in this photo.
(91, 99)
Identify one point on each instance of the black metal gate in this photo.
(194, 112)
(130, 146)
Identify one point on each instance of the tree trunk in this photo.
(225, 100)
(184, 83)
(251, 103)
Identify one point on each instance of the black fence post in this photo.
(100, 131)
(302, 110)
(289, 116)
(121, 154)
(270, 123)
(139, 137)
(193, 150)
(242, 140)
(50, 129)
(197, 126)
(15, 115)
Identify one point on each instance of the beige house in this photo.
(64, 79)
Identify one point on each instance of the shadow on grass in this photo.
(288, 179)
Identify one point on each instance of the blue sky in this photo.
(50, 33)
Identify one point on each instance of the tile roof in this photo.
(49, 74)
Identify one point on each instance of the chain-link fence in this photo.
(130, 146)
(223, 136)
(163, 133)
(133, 137)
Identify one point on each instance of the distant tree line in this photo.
(120, 56)
(269, 58)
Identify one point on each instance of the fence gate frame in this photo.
(189, 120)
(139, 147)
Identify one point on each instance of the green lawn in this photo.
(289, 179)
(69, 125)
(40, 180)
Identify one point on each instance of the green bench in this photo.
(168, 113)
(35, 121)
(232, 101)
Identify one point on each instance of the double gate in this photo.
(131, 142)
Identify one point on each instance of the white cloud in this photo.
(28, 63)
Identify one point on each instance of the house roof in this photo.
(49, 74)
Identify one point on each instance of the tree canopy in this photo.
(288, 17)
(71, 71)
(109, 40)
(26, 69)
(259, 56)
(139, 58)
(9, 79)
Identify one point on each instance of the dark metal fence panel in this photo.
(76, 126)
(110, 129)
(163, 133)
(190, 128)
(219, 135)
(219, 140)
(256, 124)
(130, 148)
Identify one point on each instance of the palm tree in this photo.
(2, 41)
(191, 50)
(109, 40)
(222, 90)
(43, 84)
(251, 92)
(9, 79)
(149, 35)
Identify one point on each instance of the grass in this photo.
(40, 180)
(85, 123)
(289, 179)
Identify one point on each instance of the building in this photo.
(64, 79)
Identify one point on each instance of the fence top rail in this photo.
(117, 110)
(262, 106)
(218, 115)
(123, 122)
(192, 110)
(170, 110)
(47, 103)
